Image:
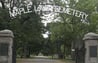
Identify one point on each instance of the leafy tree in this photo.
(71, 29)
(27, 28)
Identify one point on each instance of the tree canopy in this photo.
(71, 29)
(23, 17)
(27, 27)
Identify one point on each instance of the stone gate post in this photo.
(91, 46)
(6, 44)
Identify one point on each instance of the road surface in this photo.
(38, 60)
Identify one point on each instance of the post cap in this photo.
(90, 36)
(6, 33)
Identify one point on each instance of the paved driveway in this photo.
(38, 61)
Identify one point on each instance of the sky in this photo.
(45, 35)
(0, 5)
(48, 19)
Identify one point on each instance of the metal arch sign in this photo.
(60, 9)
(49, 9)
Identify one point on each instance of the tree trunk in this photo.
(64, 51)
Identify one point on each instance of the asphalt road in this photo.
(38, 60)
